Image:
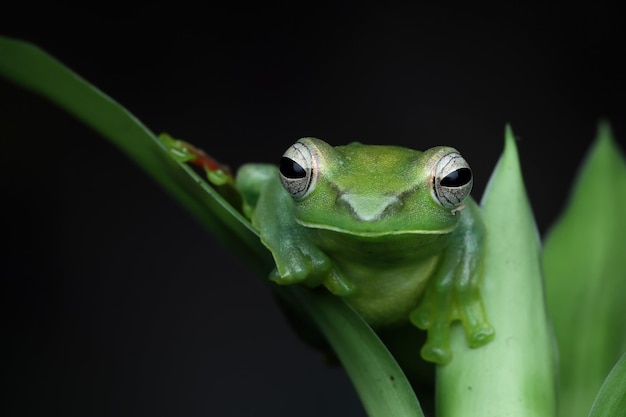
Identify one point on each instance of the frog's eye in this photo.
(298, 170)
(453, 181)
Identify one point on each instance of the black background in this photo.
(116, 302)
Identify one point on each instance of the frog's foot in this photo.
(434, 314)
(311, 268)
(300, 263)
(444, 302)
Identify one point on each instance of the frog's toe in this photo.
(421, 318)
(337, 284)
(276, 277)
(292, 275)
(437, 354)
(437, 346)
(481, 335)
(302, 264)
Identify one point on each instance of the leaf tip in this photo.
(510, 156)
(604, 131)
(508, 165)
(510, 146)
(605, 153)
(605, 138)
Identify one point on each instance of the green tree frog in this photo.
(391, 230)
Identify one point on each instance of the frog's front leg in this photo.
(298, 260)
(454, 292)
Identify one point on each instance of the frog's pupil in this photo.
(457, 178)
(291, 169)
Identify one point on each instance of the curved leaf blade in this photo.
(513, 375)
(585, 270)
(37, 71)
(377, 377)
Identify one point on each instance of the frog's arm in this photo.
(271, 209)
(469, 272)
(453, 293)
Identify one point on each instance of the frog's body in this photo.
(388, 273)
(392, 230)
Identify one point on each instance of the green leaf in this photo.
(514, 375)
(379, 381)
(377, 377)
(585, 266)
(35, 70)
(611, 400)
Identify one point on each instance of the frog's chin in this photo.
(375, 233)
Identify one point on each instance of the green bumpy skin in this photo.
(391, 230)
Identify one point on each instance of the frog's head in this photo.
(369, 190)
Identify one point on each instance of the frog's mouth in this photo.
(376, 233)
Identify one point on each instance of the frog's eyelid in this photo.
(301, 155)
(450, 196)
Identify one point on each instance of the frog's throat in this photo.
(376, 234)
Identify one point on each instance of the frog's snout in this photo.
(369, 208)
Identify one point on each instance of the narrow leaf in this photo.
(585, 266)
(378, 379)
(35, 70)
(514, 375)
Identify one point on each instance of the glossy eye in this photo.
(453, 181)
(298, 170)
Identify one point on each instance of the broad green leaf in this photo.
(585, 265)
(514, 375)
(377, 377)
(611, 400)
